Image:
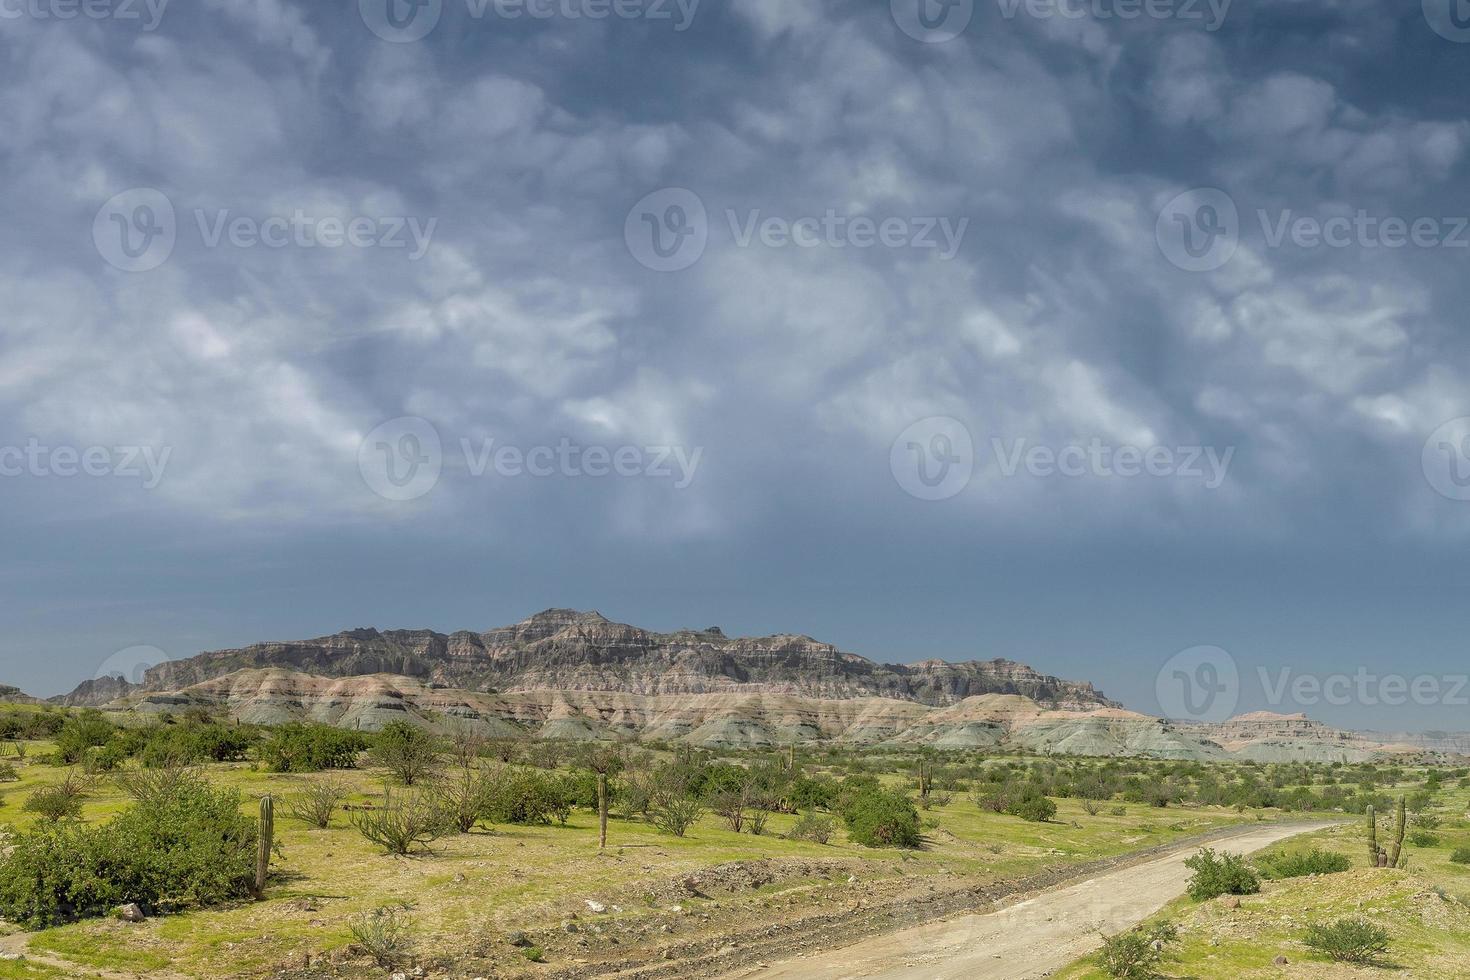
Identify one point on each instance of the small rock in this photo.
(596, 907)
(1281, 961)
(1231, 903)
(568, 927)
(518, 939)
(130, 912)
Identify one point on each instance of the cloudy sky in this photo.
(1051, 331)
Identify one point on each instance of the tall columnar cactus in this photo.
(265, 843)
(1374, 854)
(1400, 823)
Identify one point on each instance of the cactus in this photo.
(1374, 855)
(265, 843)
(1395, 849)
(791, 757)
(601, 810)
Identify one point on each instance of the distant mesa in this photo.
(564, 673)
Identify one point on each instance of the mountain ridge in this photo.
(567, 649)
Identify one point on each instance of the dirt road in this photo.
(1030, 939)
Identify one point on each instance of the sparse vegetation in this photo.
(402, 821)
(1300, 863)
(1348, 940)
(386, 934)
(1136, 954)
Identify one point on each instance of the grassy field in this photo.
(472, 891)
(1425, 908)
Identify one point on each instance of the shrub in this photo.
(150, 785)
(882, 819)
(192, 847)
(1031, 805)
(527, 796)
(1092, 807)
(59, 801)
(317, 802)
(1299, 864)
(386, 934)
(402, 821)
(675, 813)
(1220, 874)
(467, 795)
(80, 733)
(1135, 955)
(810, 827)
(407, 751)
(1461, 855)
(312, 748)
(1423, 838)
(1348, 940)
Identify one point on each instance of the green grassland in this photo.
(1425, 908)
(469, 893)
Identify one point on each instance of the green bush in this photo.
(882, 819)
(527, 797)
(1348, 940)
(1031, 804)
(812, 828)
(79, 734)
(1423, 838)
(1220, 874)
(1461, 855)
(193, 847)
(1299, 864)
(59, 801)
(1136, 955)
(312, 748)
(409, 752)
(385, 934)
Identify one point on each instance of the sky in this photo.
(1125, 340)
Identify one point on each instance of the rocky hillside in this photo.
(565, 650)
